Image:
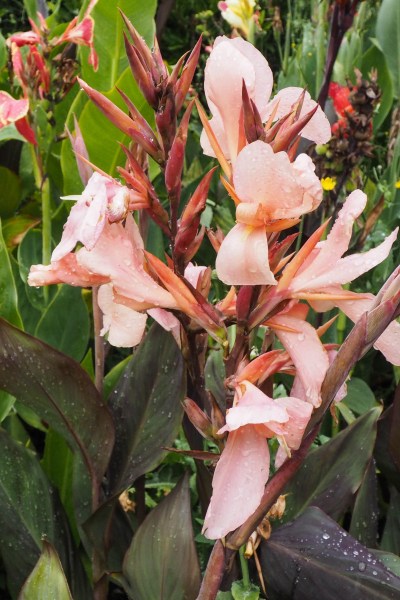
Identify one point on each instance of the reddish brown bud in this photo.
(122, 121)
(287, 136)
(142, 75)
(190, 219)
(166, 118)
(253, 126)
(173, 171)
(198, 418)
(183, 84)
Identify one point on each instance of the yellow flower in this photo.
(397, 184)
(238, 13)
(328, 183)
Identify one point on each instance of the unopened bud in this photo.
(198, 418)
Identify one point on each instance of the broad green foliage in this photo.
(161, 561)
(47, 580)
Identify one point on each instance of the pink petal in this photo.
(318, 129)
(218, 128)
(231, 62)
(243, 257)
(167, 321)
(299, 415)
(117, 255)
(307, 353)
(66, 270)
(193, 272)
(238, 483)
(125, 327)
(285, 189)
(86, 219)
(389, 342)
(79, 148)
(12, 110)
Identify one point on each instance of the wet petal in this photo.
(124, 326)
(318, 129)
(238, 483)
(243, 257)
(307, 353)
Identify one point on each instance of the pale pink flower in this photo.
(82, 34)
(103, 200)
(269, 187)
(231, 62)
(81, 153)
(243, 469)
(307, 352)
(117, 261)
(325, 267)
(16, 111)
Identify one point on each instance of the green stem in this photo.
(245, 569)
(287, 38)
(321, 46)
(46, 222)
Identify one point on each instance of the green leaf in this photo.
(95, 126)
(313, 557)
(332, 473)
(391, 561)
(14, 229)
(112, 377)
(108, 39)
(3, 52)
(10, 197)
(59, 391)
(57, 463)
(215, 376)
(30, 253)
(375, 59)
(162, 561)
(10, 132)
(241, 592)
(146, 406)
(391, 533)
(47, 580)
(8, 291)
(360, 398)
(65, 324)
(388, 34)
(31, 7)
(29, 509)
(364, 518)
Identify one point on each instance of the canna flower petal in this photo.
(231, 62)
(324, 266)
(253, 408)
(307, 353)
(243, 257)
(65, 270)
(389, 342)
(318, 129)
(15, 111)
(167, 321)
(102, 200)
(238, 483)
(118, 255)
(284, 189)
(124, 326)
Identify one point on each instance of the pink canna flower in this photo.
(269, 188)
(103, 199)
(325, 266)
(243, 469)
(81, 153)
(116, 263)
(230, 63)
(82, 34)
(307, 352)
(16, 111)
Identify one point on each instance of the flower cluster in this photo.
(256, 141)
